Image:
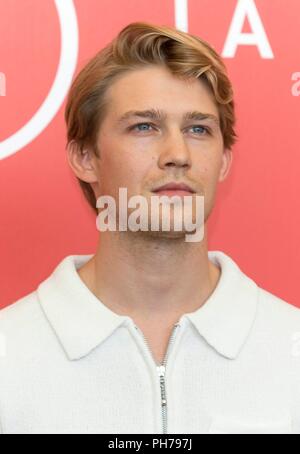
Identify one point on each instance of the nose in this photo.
(174, 152)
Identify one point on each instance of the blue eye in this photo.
(204, 129)
(140, 124)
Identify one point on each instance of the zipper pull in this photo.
(161, 372)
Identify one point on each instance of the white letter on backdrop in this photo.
(247, 9)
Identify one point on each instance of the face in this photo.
(142, 152)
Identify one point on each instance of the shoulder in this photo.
(25, 332)
(22, 310)
(276, 332)
(277, 311)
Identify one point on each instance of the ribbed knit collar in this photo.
(81, 321)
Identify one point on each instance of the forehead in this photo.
(143, 88)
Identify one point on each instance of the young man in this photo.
(152, 333)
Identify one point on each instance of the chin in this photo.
(172, 235)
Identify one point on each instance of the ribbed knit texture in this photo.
(68, 364)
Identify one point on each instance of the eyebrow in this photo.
(159, 115)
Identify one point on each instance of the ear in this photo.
(226, 164)
(82, 162)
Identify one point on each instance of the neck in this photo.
(150, 278)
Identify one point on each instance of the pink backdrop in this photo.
(44, 216)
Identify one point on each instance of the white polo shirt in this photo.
(68, 364)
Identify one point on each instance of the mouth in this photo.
(170, 189)
(171, 192)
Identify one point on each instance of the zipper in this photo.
(161, 370)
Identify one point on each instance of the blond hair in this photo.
(137, 45)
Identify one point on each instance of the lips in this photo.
(175, 187)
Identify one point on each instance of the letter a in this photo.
(247, 9)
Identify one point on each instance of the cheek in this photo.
(203, 167)
(122, 168)
(209, 163)
(207, 174)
